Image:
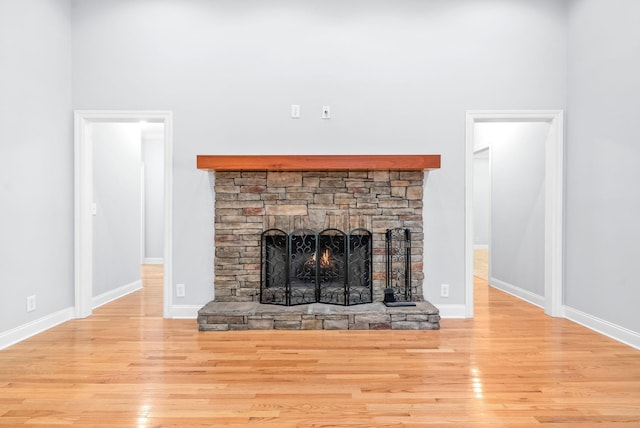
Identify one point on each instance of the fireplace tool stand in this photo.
(398, 287)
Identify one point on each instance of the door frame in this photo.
(554, 201)
(83, 198)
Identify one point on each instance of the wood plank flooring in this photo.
(510, 366)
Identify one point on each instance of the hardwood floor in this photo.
(510, 366)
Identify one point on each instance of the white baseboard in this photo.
(615, 332)
(117, 293)
(34, 327)
(480, 246)
(153, 261)
(185, 311)
(452, 311)
(518, 292)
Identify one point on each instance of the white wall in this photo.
(481, 198)
(36, 164)
(398, 75)
(153, 159)
(117, 195)
(603, 162)
(517, 205)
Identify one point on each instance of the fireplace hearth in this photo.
(306, 266)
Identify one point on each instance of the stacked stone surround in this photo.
(249, 202)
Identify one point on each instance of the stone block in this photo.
(286, 325)
(429, 326)
(257, 211)
(398, 192)
(412, 175)
(227, 189)
(225, 319)
(358, 174)
(311, 324)
(253, 189)
(238, 204)
(434, 319)
(260, 324)
(286, 210)
(414, 193)
(284, 179)
(226, 197)
(249, 181)
(326, 183)
(393, 203)
(285, 316)
(248, 196)
(406, 325)
(213, 327)
(357, 326)
(380, 326)
(381, 176)
(372, 318)
(417, 317)
(237, 327)
(336, 324)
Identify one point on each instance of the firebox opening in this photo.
(305, 266)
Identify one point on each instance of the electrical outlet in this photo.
(295, 111)
(444, 290)
(180, 290)
(31, 303)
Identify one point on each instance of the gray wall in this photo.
(398, 76)
(153, 159)
(36, 160)
(117, 195)
(481, 195)
(603, 161)
(517, 204)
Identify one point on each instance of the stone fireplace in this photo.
(313, 193)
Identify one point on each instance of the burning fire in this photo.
(325, 259)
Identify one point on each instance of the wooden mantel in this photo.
(318, 162)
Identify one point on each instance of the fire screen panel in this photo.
(360, 269)
(274, 255)
(303, 267)
(332, 278)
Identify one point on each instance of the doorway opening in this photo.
(86, 208)
(553, 199)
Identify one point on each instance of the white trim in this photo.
(25, 331)
(185, 311)
(554, 209)
(83, 177)
(480, 246)
(452, 311)
(153, 261)
(143, 197)
(614, 331)
(521, 293)
(116, 293)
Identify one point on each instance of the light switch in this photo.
(326, 112)
(94, 209)
(295, 111)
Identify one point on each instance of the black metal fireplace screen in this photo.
(305, 266)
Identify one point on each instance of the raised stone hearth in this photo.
(219, 316)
